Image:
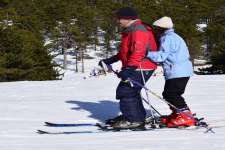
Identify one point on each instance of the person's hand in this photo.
(100, 63)
(104, 66)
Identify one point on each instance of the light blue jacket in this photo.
(174, 56)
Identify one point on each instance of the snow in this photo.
(201, 26)
(26, 105)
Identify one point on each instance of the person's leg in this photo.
(132, 108)
(173, 90)
(131, 104)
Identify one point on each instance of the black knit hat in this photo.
(127, 13)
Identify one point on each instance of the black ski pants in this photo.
(173, 90)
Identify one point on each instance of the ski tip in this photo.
(101, 125)
(49, 124)
(41, 132)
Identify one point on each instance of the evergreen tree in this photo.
(107, 22)
(23, 57)
(215, 34)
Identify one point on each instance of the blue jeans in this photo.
(131, 104)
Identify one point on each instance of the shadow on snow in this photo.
(101, 110)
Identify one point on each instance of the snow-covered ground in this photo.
(25, 106)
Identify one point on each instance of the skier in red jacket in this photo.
(137, 39)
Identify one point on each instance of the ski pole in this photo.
(146, 92)
(151, 106)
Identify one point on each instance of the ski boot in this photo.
(124, 124)
(113, 120)
(181, 119)
(154, 122)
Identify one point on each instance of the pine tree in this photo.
(216, 45)
(23, 57)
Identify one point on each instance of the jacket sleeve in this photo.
(111, 60)
(138, 47)
(163, 53)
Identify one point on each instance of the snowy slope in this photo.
(24, 106)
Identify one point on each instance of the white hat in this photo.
(164, 22)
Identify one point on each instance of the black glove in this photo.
(100, 63)
(126, 73)
(106, 67)
(108, 61)
(103, 65)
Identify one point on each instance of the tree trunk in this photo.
(76, 64)
(82, 59)
(64, 58)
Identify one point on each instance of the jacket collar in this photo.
(131, 25)
(168, 31)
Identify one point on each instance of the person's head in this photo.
(163, 24)
(125, 15)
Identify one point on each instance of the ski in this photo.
(150, 125)
(100, 130)
(84, 132)
(51, 124)
(107, 129)
(63, 132)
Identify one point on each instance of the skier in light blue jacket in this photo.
(174, 56)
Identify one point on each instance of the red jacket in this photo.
(136, 40)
